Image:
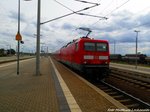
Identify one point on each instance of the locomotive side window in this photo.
(89, 46)
(101, 47)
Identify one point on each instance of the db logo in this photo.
(96, 57)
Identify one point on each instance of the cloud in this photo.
(67, 26)
(14, 15)
(29, 30)
(144, 20)
(119, 27)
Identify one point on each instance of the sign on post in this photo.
(18, 37)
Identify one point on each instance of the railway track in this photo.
(141, 80)
(113, 69)
(126, 99)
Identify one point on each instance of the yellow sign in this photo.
(18, 36)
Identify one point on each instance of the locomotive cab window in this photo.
(101, 47)
(89, 46)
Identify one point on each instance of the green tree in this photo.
(11, 51)
(2, 52)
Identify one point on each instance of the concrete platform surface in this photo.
(49, 92)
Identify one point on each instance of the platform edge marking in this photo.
(74, 107)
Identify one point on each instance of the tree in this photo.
(2, 52)
(11, 51)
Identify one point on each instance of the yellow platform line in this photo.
(74, 107)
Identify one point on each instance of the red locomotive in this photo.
(87, 55)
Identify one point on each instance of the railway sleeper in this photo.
(112, 93)
(108, 90)
(138, 83)
(103, 87)
(133, 106)
(118, 96)
(133, 101)
(125, 101)
(132, 75)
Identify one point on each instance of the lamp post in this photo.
(38, 39)
(136, 47)
(18, 36)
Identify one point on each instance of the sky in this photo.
(124, 17)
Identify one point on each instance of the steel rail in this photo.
(144, 104)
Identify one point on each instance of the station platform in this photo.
(140, 69)
(7, 59)
(57, 89)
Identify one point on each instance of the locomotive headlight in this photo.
(88, 57)
(85, 62)
(103, 57)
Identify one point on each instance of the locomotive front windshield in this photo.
(101, 47)
(89, 46)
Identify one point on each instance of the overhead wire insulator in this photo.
(87, 2)
(74, 12)
(92, 15)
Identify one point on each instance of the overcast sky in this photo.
(124, 16)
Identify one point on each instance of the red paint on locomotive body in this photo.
(86, 55)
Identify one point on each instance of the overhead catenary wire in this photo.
(107, 14)
(139, 25)
(117, 8)
(147, 23)
(92, 15)
(112, 11)
(64, 5)
(83, 14)
(108, 5)
(68, 14)
(136, 26)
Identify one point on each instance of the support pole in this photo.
(18, 48)
(136, 48)
(38, 40)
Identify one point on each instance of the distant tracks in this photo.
(128, 100)
(141, 80)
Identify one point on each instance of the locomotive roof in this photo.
(92, 39)
(84, 38)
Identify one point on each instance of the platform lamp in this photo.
(136, 47)
(18, 36)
